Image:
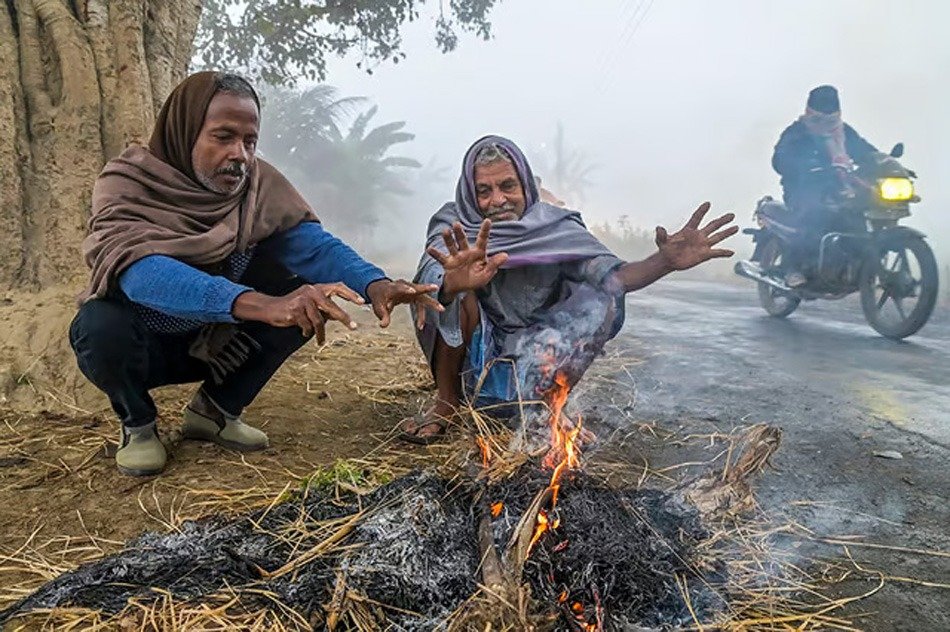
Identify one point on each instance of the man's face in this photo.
(226, 143)
(498, 191)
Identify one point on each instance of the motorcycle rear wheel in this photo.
(777, 303)
(889, 278)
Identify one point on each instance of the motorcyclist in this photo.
(810, 156)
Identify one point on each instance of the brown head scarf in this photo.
(148, 201)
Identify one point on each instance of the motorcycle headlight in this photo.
(896, 189)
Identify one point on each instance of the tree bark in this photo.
(80, 80)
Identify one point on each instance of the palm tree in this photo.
(565, 171)
(358, 176)
(295, 119)
(348, 175)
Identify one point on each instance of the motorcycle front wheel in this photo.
(898, 284)
(776, 302)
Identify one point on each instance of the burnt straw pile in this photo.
(413, 552)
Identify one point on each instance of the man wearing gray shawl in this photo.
(529, 292)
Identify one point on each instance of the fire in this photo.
(496, 509)
(540, 529)
(563, 455)
(485, 449)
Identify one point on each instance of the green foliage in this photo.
(343, 473)
(280, 42)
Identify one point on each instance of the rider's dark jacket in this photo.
(798, 152)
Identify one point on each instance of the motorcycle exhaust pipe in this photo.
(752, 271)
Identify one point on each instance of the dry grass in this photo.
(772, 586)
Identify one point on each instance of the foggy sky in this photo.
(682, 105)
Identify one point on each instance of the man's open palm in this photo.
(693, 245)
(467, 267)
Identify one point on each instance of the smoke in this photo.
(566, 342)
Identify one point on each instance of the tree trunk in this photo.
(79, 81)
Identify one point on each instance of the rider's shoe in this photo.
(795, 279)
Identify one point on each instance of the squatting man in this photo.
(515, 269)
(208, 266)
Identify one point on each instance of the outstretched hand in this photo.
(466, 267)
(385, 295)
(692, 245)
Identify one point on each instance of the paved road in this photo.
(840, 393)
(719, 336)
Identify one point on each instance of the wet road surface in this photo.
(714, 361)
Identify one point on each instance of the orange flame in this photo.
(485, 449)
(562, 597)
(496, 509)
(564, 453)
(539, 530)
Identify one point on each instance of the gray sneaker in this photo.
(141, 452)
(204, 421)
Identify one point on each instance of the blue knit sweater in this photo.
(176, 296)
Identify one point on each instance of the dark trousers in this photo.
(813, 219)
(124, 359)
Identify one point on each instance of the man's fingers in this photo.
(718, 223)
(698, 215)
(382, 313)
(405, 288)
(424, 288)
(723, 234)
(437, 255)
(314, 317)
(661, 236)
(321, 333)
(306, 327)
(496, 261)
(717, 253)
(421, 317)
(344, 292)
(481, 242)
(449, 240)
(427, 301)
(460, 237)
(334, 312)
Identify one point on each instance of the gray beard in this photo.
(207, 183)
(495, 210)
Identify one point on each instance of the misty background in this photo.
(661, 104)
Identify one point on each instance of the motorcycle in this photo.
(889, 264)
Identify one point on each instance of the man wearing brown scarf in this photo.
(207, 265)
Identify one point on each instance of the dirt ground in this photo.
(679, 375)
(57, 480)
